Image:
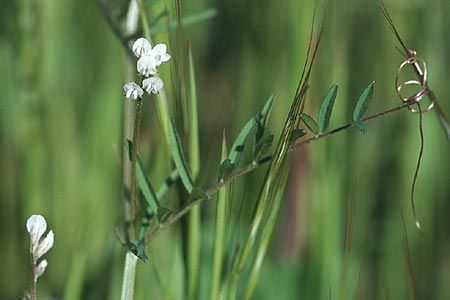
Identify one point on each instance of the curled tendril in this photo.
(419, 64)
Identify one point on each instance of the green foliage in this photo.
(326, 108)
(258, 122)
(61, 120)
(178, 158)
(310, 123)
(361, 106)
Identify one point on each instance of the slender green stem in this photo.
(134, 149)
(129, 274)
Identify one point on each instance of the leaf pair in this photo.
(324, 114)
(326, 108)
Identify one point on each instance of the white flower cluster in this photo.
(36, 226)
(149, 59)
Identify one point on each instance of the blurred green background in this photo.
(61, 110)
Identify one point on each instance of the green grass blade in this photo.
(194, 152)
(259, 121)
(219, 236)
(326, 108)
(178, 158)
(194, 216)
(277, 167)
(188, 20)
(267, 233)
(310, 123)
(361, 106)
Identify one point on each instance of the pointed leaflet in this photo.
(259, 121)
(323, 117)
(363, 103)
(178, 158)
(310, 123)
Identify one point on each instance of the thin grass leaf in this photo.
(361, 106)
(188, 20)
(273, 181)
(219, 235)
(267, 229)
(178, 158)
(194, 149)
(310, 123)
(258, 121)
(326, 108)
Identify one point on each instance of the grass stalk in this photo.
(194, 218)
(219, 235)
(129, 274)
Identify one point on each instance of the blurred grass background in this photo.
(61, 104)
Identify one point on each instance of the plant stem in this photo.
(33, 276)
(295, 146)
(129, 273)
(257, 163)
(134, 148)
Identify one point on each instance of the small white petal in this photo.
(40, 269)
(133, 91)
(146, 66)
(36, 226)
(45, 245)
(153, 85)
(141, 47)
(159, 54)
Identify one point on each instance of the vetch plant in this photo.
(36, 227)
(145, 219)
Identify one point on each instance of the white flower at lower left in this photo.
(133, 91)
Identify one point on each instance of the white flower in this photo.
(40, 269)
(133, 91)
(36, 226)
(146, 65)
(45, 245)
(159, 54)
(141, 47)
(152, 85)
